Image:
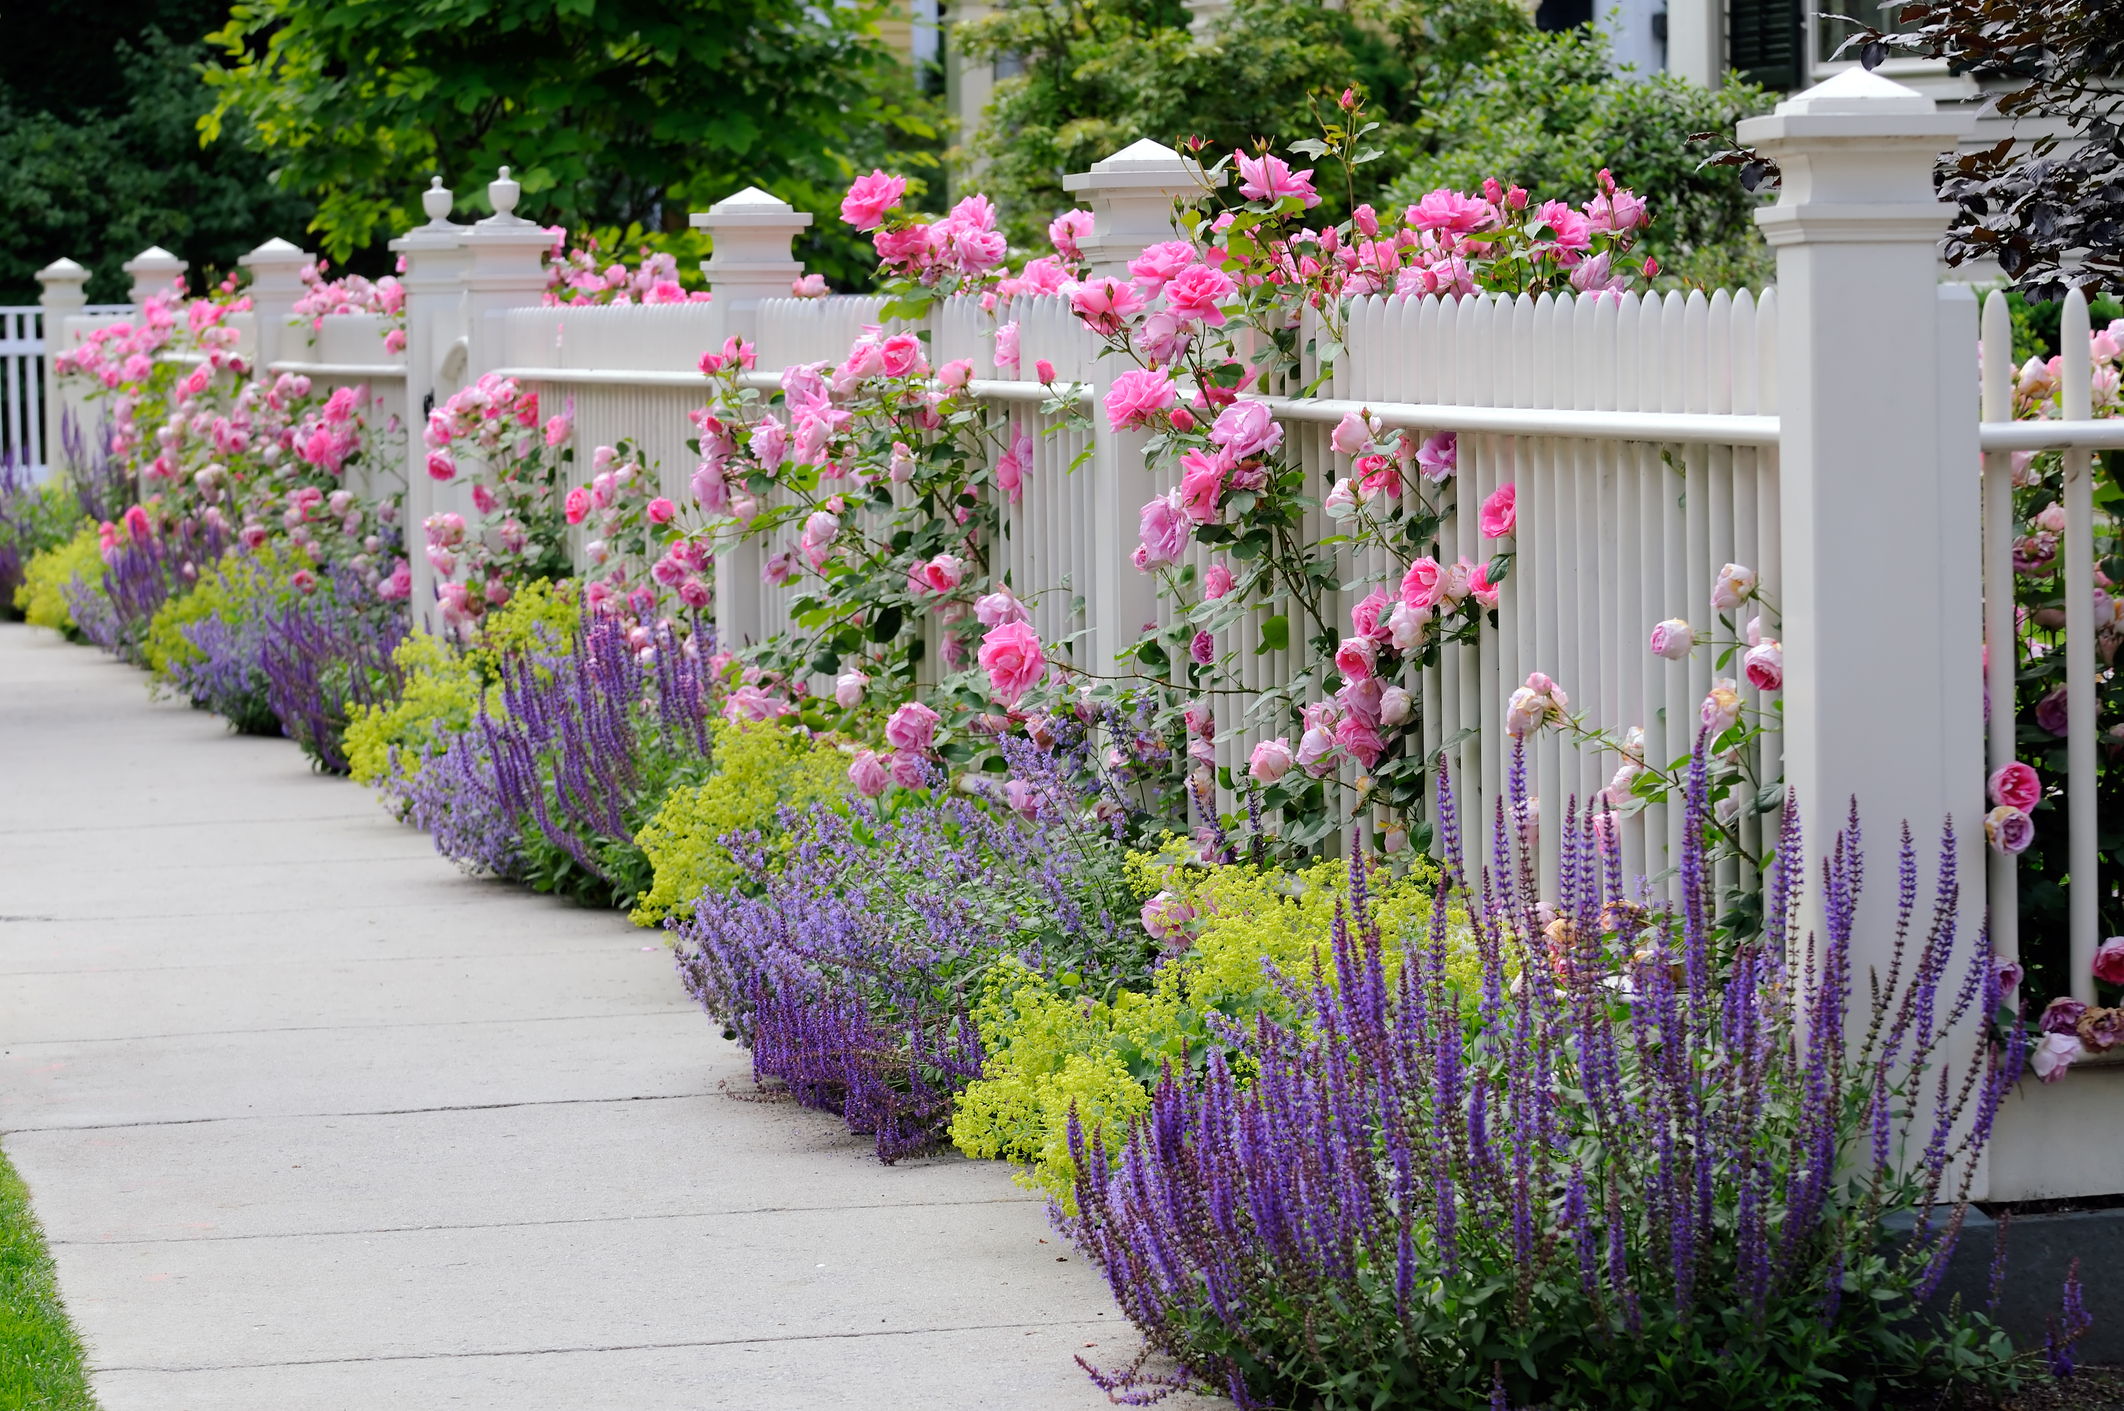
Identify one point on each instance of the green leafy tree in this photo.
(98, 137)
(1100, 74)
(1550, 110)
(626, 112)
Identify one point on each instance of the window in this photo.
(1830, 31)
(1765, 43)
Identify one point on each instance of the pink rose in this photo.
(1271, 760)
(1721, 708)
(1735, 586)
(1105, 304)
(1201, 482)
(1360, 739)
(1479, 586)
(1499, 517)
(1011, 467)
(912, 727)
(1202, 649)
(770, 444)
(995, 609)
(1007, 346)
(1423, 586)
(2017, 784)
(1159, 263)
(1672, 639)
(1316, 751)
(956, 374)
(1019, 798)
(1066, 230)
(1137, 396)
(1165, 917)
(2109, 961)
(2009, 830)
(848, 689)
(870, 198)
(694, 591)
(1196, 292)
(1245, 430)
(1267, 178)
(1351, 435)
(1765, 664)
(1014, 660)
(1450, 211)
(1438, 457)
(2056, 1054)
(578, 505)
(1164, 529)
(660, 510)
(935, 577)
(868, 774)
(303, 580)
(903, 356)
(1368, 617)
(1357, 658)
(441, 464)
(909, 770)
(1216, 581)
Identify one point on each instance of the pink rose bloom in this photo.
(399, 586)
(1267, 178)
(1066, 230)
(1202, 649)
(1199, 719)
(1449, 211)
(1216, 581)
(1619, 211)
(1164, 529)
(1735, 586)
(1406, 626)
(1570, 229)
(868, 774)
(2017, 784)
(1012, 465)
(1423, 586)
(780, 569)
(2109, 961)
(2055, 1055)
(1012, 656)
(1351, 435)
(578, 505)
(1357, 658)
(848, 689)
(909, 771)
(1499, 515)
(2009, 830)
(937, 576)
(903, 356)
(1245, 430)
(1360, 740)
(304, 580)
(912, 727)
(1201, 482)
(1137, 396)
(870, 198)
(1196, 292)
(1396, 705)
(1368, 617)
(770, 444)
(956, 374)
(660, 510)
(1479, 586)
(693, 591)
(1672, 639)
(1157, 265)
(1007, 346)
(1721, 708)
(1439, 456)
(1271, 760)
(1165, 917)
(1106, 304)
(441, 465)
(1765, 665)
(995, 609)
(1316, 751)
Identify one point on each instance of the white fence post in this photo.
(435, 341)
(65, 295)
(1130, 195)
(1880, 491)
(154, 270)
(753, 233)
(276, 283)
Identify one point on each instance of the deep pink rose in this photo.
(1216, 581)
(1423, 586)
(1137, 396)
(1499, 514)
(1157, 265)
(870, 198)
(660, 510)
(1267, 178)
(2017, 784)
(578, 505)
(1164, 529)
(1201, 482)
(2109, 961)
(1765, 663)
(1014, 660)
(1196, 292)
(1246, 429)
(1106, 304)
(903, 356)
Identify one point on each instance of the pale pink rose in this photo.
(1267, 178)
(848, 689)
(1164, 529)
(781, 569)
(2016, 784)
(1765, 664)
(909, 771)
(1012, 656)
(1065, 232)
(1199, 719)
(1316, 751)
(1396, 705)
(2055, 1055)
(912, 727)
(1721, 708)
(1019, 798)
(1456, 584)
(1271, 760)
(1438, 456)
(1499, 516)
(868, 774)
(956, 374)
(870, 198)
(1351, 435)
(1245, 430)
(1216, 581)
(1423, 586)
(1165, 917)
(1357, 658)
(1007, 346)
(1407, 625)
(1137, 396)
(1672, 639)
(2009, 830)
(1105, 305)
(1341, 501)
(770, 444)
(901, 468)
(1735, 586)
(1195, 293)
(810, 286)
(1201, 482)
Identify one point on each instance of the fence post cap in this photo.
(153, 260)
(62, 271)
(750, 207)
(437, 201)
(1856, 104)
(274, 253)
(1142, 164)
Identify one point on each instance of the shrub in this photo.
(760, 768)
(42, 596)
(33, 517)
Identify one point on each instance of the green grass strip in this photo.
(40, 1353)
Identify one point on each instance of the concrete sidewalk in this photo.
(314, 1120)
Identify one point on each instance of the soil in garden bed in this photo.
(2091, 1389)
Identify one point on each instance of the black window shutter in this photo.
(1764, 41)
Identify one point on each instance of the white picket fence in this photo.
(1825, 434)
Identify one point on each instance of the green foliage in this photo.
(1049, 1047)
(1550, 110)
(98, 114)
(1100, 74)
(42, 1363)
(759, 769)
(42, 596)
(33, 518)
(627, 111)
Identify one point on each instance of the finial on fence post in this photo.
(65, 295)
(753, 232)
(153, 270)
(433, 261)
(276, 283)
(1131, 197)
